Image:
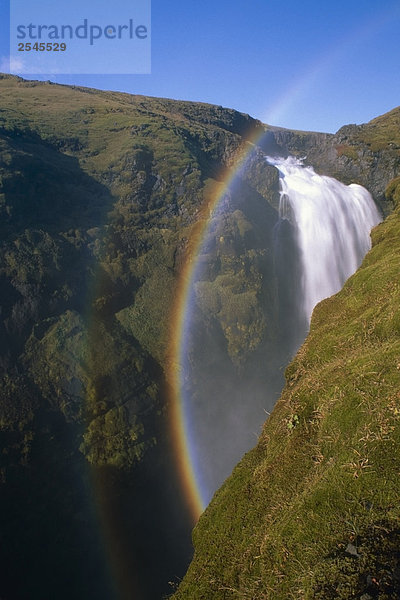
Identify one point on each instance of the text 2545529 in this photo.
(42, 47)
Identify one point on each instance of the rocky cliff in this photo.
(100, 194)
(367, 154)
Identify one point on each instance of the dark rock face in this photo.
(99, 195)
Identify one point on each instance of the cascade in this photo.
(331, 223)
(320, 239)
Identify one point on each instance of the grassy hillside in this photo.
(382, 132)
(313, 512)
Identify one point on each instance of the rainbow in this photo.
(180, 317)
(180, 321)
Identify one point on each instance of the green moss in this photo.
(148, 317)
(114, 439)
(383, 131)
(57, 357)
(392, 192)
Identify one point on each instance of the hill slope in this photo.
(313, 511)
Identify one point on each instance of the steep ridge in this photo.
(313, 511)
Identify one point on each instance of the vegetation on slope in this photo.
(313, 512)
(381, 132)
(99, 195)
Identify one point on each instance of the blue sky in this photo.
(312, 65)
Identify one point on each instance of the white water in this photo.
(332, 224)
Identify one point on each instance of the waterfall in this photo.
(331, 225)
(306, 255)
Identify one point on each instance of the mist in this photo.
(263, 272)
